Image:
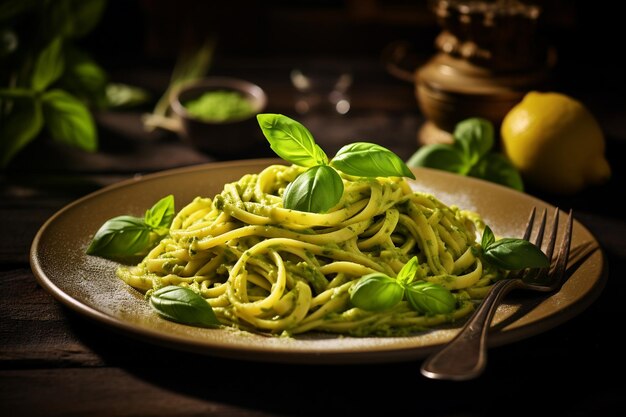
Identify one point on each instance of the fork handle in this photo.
(464, 357)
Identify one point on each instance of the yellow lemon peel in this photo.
(555, 143)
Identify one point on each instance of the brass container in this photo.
(490, 56)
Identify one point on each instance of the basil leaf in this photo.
(430, 298)
(121, 236)
(84, 78)
(488, 238)
(440, 156)
(19, 128)
(291, 140)
(58, 19)
(475, 137)
(48, 66)
(85, 15)
(161, 214)
(513, 254)
(183, 306)
(69, 121)
(407, 273)
(316, 190)
(370, 160)
(496, 168)
(376, 292)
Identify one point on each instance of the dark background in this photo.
(135, 35)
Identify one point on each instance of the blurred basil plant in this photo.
(46, 80)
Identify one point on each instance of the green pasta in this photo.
(265, 268)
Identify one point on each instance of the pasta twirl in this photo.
(266, 268)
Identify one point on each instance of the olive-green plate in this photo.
(88, 284)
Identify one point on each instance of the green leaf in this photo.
(475, 138)
(83, 77)
(161, 214)
(85, 16)
(183, 305)
(496, 168)
(440, 156)
(69, 121)
(72, 18)
(376, 292)
(119, 237)
(407, 273)
(316, 190)
(488, 238)
(58, 20)
(19, 128)
(430, 298)
(513, 254)
(49, 65)
(291, 140)
(370, 160)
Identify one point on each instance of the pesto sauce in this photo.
(219, 106)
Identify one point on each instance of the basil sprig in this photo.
(471, 154)
(320, 187)
(183, 305)
(127, 236)
(315, 190)
(378, 292)
(512, 253)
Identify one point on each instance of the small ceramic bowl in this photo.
(231, 138)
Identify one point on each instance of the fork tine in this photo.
(538, 274)
(563, 255)
(529, 224)
(542, 228)
(529, 228)
(553, 232)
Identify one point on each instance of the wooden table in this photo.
(54, 362)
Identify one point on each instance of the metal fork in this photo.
(465, 356)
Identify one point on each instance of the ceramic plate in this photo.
(89, 286)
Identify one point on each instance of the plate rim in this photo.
(277, 354)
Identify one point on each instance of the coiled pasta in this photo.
(265, 268)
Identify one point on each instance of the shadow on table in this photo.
(366, 389)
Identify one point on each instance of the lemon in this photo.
(555, 143)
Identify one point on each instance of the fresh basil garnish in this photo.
(430, 298)
(49, 65)
(183, 305)
(120, 236)
(439, 156)
(377, 292)
(128, 236)
(475, 137)
(316, 190)
(69, 120)
(291, 140)
(512, 253)
(470, 154)
(161, 214)
(294, 143)
(370, 160)
(498, 169)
